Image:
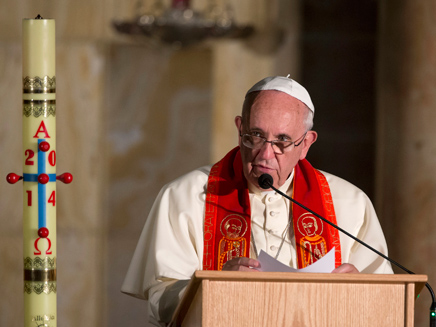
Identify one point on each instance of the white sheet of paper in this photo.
(324, 265)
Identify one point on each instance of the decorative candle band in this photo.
(39, 102)
(39, 275)
(40, 263)
(39, 85)
(39, 108)
(39, 287)
(34, 177)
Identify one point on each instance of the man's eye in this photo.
(284, 138)
(256, 134)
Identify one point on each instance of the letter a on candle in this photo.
(42, 129)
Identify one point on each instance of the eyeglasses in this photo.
(279, 147)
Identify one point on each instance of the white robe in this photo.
(171, 244)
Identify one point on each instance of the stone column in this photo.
(237, 65)
(406, 146)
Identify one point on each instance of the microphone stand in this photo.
(266, 181)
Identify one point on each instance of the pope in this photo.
(219, 218)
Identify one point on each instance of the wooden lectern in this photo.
(223, 298)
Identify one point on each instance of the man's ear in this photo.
(238, 123)
(310, 138)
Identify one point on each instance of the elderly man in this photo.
(219, 218)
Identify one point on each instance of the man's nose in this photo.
(266, 151)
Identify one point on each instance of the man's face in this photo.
(309, 226)
(274, 115)
(233, 228)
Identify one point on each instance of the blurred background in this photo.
(134, 112)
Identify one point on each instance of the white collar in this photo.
(284, 188)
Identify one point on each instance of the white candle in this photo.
(39, 172)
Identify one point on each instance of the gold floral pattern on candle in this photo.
(40, 288)
(39, 263)
(37, 108)
(39, 84)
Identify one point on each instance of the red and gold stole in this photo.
(313, 237)
(227, 224)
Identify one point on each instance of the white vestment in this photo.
(171, 244)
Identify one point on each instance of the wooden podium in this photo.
(223, 298)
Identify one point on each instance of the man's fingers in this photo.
(346, 268)
(248, 262)
(241, 264)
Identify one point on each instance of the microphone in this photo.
(266, 181)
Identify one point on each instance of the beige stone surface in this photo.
(74, 19)
(10, 137)
(80, 134)
(157, 126)
(80, 278)
(11, 272)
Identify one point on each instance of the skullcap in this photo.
(286, 85)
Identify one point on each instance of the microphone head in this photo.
(265, 181)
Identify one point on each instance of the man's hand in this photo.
(346, 268)
(242, 264)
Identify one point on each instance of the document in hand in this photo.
(324, 265)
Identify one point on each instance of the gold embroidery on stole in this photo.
(232, 244)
